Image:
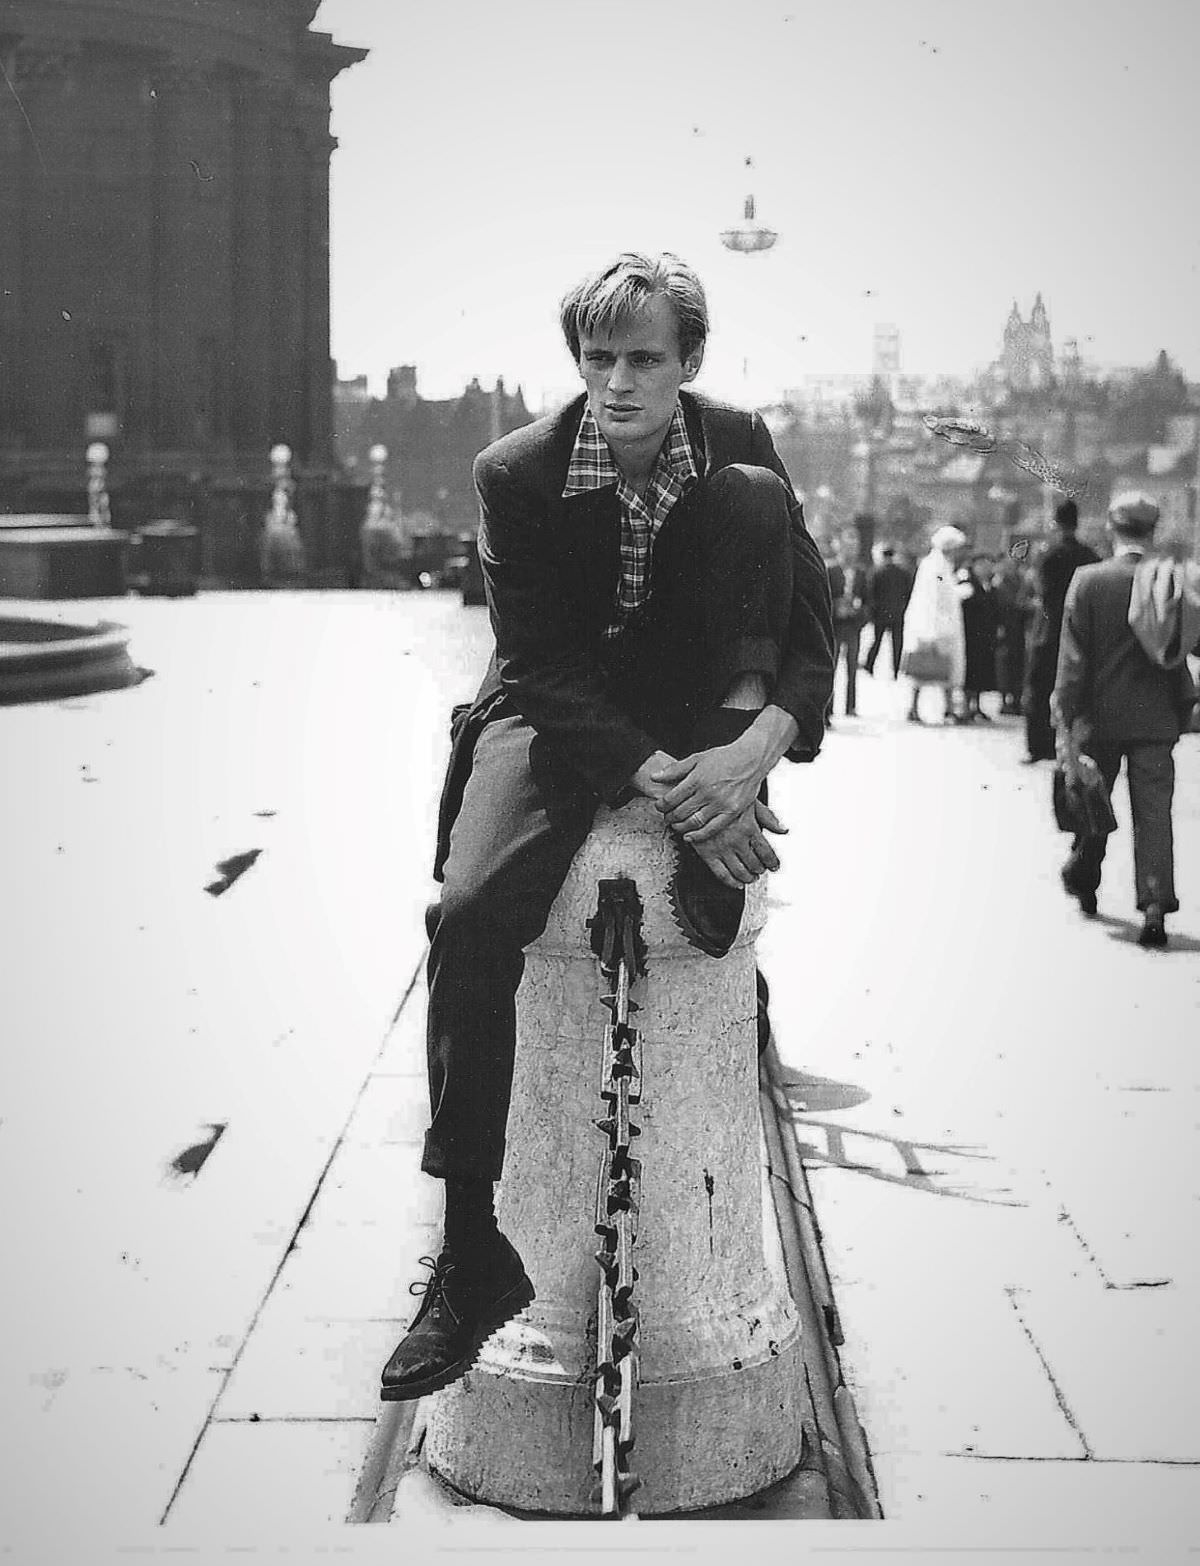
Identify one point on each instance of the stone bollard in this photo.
(717, 1408)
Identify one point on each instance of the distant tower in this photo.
(1027, 360)
(1041, 353)
(886, 360)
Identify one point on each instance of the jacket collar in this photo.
(696, 417)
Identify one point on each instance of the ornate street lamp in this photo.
(99, 513)
(749, 235)
(281, 553)
(379, 512)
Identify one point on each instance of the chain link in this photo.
(617, 942)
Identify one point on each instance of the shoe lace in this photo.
(440, 1269)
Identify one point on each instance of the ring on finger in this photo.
(696, 820)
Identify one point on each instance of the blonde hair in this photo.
(623, 288)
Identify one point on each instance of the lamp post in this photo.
(749, 236)
(281, 561)
(1007, 513)
(99, 512)
(281, 484)
(378, 509)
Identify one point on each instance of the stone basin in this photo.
(42, 659)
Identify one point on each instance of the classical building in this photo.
(164, 257)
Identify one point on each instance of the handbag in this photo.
(1083, 808)
(926, 662)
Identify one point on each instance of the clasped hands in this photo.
(711, 800)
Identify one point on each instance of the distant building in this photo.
(164, 250)
(431, 444)
(1027, 358)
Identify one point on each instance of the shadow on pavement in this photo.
(1128, 930)
(822, 1094)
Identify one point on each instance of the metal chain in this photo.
(617, 942)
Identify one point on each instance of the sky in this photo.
(924, 162)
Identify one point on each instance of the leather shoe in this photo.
(707, 911)
(1085, 898)
(461, 1309)
(1154, 931)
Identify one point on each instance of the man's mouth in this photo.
(622, 407)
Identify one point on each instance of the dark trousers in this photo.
(1039, 685)
(1150, 767)
(719, 607)
(893, 628)
(848, 639)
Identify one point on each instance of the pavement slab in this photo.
(996, 1100)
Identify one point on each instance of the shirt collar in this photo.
(592, 466)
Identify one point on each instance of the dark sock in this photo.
(470, 1226)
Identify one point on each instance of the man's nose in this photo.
(620, 377)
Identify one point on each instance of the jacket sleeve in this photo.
(549, 671)
(1072, 684)
(804, 683)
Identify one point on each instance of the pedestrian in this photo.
(980, 624)
(848, 591)
(934, 645)
(1054, 572)
(1112, 702)
(662, 628)
(1010, 635)
(890, 590)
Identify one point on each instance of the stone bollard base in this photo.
(689, 1453)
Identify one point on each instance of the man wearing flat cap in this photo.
(1116, 702)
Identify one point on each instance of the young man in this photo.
(1058, 566)
(848, 589)
(891, 587)
(663, 628)
(1113, 703)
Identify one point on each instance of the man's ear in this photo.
(691, 365)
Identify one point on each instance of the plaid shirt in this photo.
(592, 467)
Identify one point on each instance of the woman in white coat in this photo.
(934, 644)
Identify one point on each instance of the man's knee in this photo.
(470, 914)
(756, 498)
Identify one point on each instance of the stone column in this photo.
(717, 1412)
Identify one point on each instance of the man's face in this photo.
(634, 373)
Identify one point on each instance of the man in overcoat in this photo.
(1113, 703)
(1059, 564)
(663, 628)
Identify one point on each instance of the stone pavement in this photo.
(997, 1103)
(996, 1099)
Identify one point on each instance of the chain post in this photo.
(617, 942)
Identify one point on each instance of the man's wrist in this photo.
(641, 779)
(773, 732)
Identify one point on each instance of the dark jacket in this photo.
(891, 588)
(848, 590)
(1058, 566)
(551, 567)
(1104, 675)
